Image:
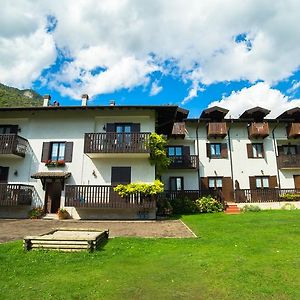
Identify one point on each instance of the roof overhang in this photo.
(43, 176)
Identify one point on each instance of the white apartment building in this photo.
(72, 156)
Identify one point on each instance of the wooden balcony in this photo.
(258, 130)
(217, 130)
(12, 145)
(104, 196)
(16, 194)
(291, 161)
(185, 162)
(293, 130)
(117, 144)
(179, 130)
(264, 195)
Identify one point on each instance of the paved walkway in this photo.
(16, 229)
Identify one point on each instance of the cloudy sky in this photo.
(193, 53)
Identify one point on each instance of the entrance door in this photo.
(297, 181)
(4, 174)
(52, 198)
(119, 175)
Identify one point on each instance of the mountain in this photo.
(13, 97)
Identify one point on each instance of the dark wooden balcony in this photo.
(265, 195)
(13, 145)
(217, 130)
(16, 194)
(179, 130)
(293, 130)
(258, 130)
(289, 161)
(184, 162)
(104, 196)
(98, 144)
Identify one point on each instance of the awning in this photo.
(61, 176)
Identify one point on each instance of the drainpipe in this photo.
(275, 151)
(197, 153)
(231, 164)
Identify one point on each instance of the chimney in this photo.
(112, 102)
(85, 98)
(47, 99)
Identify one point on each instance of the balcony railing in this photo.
(217, 129)
(184, 162)
(293, 130)
(13, 144)
(104, 196)
(265, 195)
(258, 130)
(116, 142)
(16, 194)
(290, 161)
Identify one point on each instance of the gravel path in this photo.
(16, 229)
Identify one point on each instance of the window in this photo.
(4, 174)
(57, 151)
(215, 150)
(262, 182)
(257, 150)
(175, 153)
(215, 183)
(176, 183)
(120, 175)
(289, 150)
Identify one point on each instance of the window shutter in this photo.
(208, 150)
(68, 151)
(280, 150)
(186, 151)
(249, 150)
(110, 127)
(46, 151)
(136, 127)
(120, 175)
(298, 149)
(224, 150)
(227, 189)
(252, 182)
(273, 182)
(4, 174)
(263, 150)
(14, 128)
(204, 183)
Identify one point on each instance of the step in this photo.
(50, 217)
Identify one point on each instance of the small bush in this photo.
(164, 207)
(36, 213)
(253, 208)
(184, 206)
(290, 197)
(288, 206)
(209, 205)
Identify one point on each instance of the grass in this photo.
(247, 256)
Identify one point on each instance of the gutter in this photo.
(276, 153)
(231, 164)
(198, 156)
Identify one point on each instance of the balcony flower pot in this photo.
(62, 214)
(55, 163)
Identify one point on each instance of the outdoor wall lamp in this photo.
(16, 172)
(94, 174)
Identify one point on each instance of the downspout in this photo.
(231, 164)
(197, 153)
(275, 151)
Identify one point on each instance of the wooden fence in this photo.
(16, 194)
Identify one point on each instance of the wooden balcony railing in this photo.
(217, 129)
(258, 130)
(264, 195)
(184, 162)
(13, 144)
(103, 196)
(293, 130)
(116, 142)
(290, 161)
(16, 194)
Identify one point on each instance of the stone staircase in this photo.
(232, 209)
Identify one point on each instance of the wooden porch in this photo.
(16, 194)
(104, 196)
(265, 195)
(13, 145)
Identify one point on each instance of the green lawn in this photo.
(247, 256)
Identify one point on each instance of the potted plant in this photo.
(62, 214)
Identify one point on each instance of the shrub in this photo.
(184, 206)
(290, 197)
(164, 208)
(36, 213)
(253, 208)
(209, 205)
(288, 206)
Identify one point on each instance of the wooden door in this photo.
(297, 181)
(119, 175)
(52, 198)
(4, 174)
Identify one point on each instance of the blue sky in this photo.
(193, 54)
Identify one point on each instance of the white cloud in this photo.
(295, 87)
(155, 88)
(260, 94)
(199, 37)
